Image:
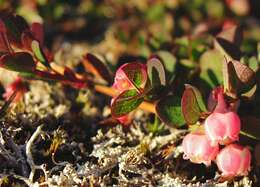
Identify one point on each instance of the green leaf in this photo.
(169, 61)
(19, 62)
(211, 67)
(156, 72)
(126, 102)
(250, 127)
(169, 111)
(192, 104)
(136, 73)
(39, 53)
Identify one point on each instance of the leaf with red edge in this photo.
(39, 54)
(230, 79)
(19, 62)
(192, 104)
(37, 32)
(95, 66)
(238, 78)
(4, 43)
(169, 111)
(15, 26)
(245, 74)
(126, 102)
(156, 72)
(136, 74)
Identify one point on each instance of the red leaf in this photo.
(95, 66)
(37, 32)
(19, 62)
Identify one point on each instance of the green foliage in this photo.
(192, 104)
(169, 111)
(211, 68)
(126, 102)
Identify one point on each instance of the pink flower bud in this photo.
(234, 160)
(222, 128)
(198, 149)
(121, 81)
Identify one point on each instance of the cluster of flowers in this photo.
(221, 127)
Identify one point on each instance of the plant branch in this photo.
(147, 106)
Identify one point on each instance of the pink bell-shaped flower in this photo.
(197, 149)
(222, 126)
(234, 160)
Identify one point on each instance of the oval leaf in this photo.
(169, 111)
(126, 102)
(156, 72)
(169, 61)
(15, 26)
(136, 74)
(95, 66)
(211, 67)
(192, 104)
(19, 62)
(230, 79)
(238, 78)
(35, 45)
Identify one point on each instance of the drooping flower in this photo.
(222, 126)
(198, 149)
(234, 160)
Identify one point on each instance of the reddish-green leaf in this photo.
(15, 26)
(230, 79)
(95, 66)
(126, 102)
(169, 111)
(238, 76)
(36, 48)
(136, 73)
(156, 72)
(169, 61)
(192, 104)
(19, 62)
